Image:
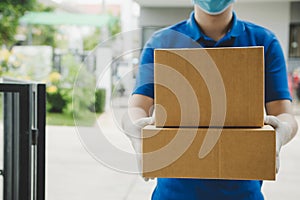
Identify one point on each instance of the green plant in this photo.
(43, 34)
(10, 12)
(8, 61)
(26, 4)
(9, 16)
(56, 96)
(99, 105)
(81, 84)
(55, 102)
(92, 40)
(115, 26)
(71, 93)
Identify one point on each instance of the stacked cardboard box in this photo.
(209, 107)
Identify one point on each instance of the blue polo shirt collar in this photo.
(195, 33)
(237, 27)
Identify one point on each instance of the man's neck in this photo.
(214, 26)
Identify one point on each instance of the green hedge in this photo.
(61, 101)
(55, 102)
(99, 105)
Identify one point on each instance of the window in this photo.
(294, 50)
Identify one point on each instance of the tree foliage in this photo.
(43, 34)
(11, 11)
(26, 4)
(92, 40)
(9, 16)
(115, 26)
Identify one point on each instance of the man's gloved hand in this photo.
(282, 131)
(133, 131)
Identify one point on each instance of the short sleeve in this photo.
(276, 83)
(145, 76)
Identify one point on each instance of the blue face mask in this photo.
(213, 7)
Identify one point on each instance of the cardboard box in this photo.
(209, 87)
(242, 154)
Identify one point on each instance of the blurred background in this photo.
(95, 46)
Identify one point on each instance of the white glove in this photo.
(133, 131)
(282, 131)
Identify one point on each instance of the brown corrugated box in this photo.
(245, 154)
(209, 87)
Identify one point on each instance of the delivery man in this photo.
(213, 24)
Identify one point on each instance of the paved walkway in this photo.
(72, 173)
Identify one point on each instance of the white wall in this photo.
(153, 16)
(275, 16)
(272, 15)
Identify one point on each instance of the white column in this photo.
(103, 72)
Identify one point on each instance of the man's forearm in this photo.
(139, 106)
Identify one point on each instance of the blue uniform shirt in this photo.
(187, 34)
